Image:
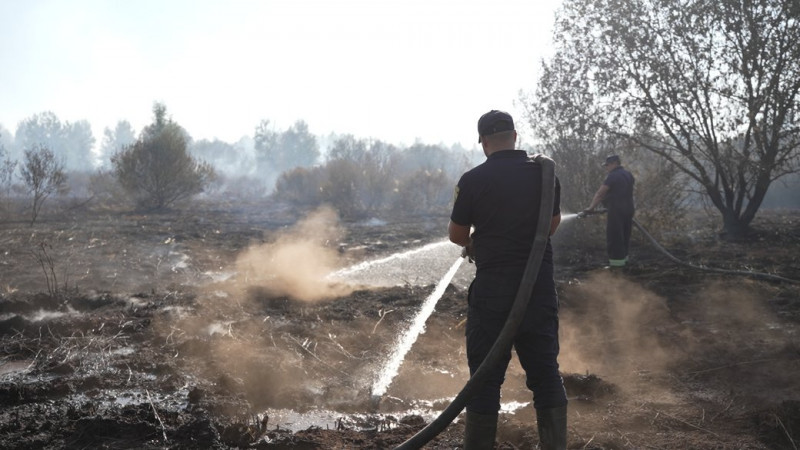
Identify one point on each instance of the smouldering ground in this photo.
(172, 331)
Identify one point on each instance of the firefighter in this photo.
(500, 199)
(616, 194)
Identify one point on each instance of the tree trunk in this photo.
(734, 228)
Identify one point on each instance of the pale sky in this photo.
(395, 70)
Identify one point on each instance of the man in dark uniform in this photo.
(500, 198)
(616, 194)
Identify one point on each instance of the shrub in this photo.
(43, 175)
(157, 171)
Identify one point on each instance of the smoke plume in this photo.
(612, 327)
(298, 261)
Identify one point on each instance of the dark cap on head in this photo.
(611, 159)
(493, 122)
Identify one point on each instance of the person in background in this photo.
(616, 194)
(500, 198)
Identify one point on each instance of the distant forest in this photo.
(358, 176)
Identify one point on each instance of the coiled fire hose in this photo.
(504, 341)
(640, 227)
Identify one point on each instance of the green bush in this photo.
(157, 171)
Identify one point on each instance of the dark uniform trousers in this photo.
(618, 233)
(491, 296)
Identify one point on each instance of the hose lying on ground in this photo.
(766, 276)
(504, 341)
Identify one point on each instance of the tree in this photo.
(7, 168)
(7, 142)
(77, 143)
(115, 140)
(300, 186)
(231, 159)
(711, 87)
(277, 152)
(299, 147)
(43, 129)
(43, 175)
(365, 170)
(157, 171)
(424, 191)
(71, 142)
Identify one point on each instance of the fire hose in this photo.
(657, 245)
(504, 341)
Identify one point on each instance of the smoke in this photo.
(613, 327)
(298, 262)
(252, 354)
(730, 318)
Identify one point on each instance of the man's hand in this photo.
(468, 252)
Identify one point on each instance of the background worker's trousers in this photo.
(618, 235)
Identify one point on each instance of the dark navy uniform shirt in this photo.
(501, 198)
(620, 192)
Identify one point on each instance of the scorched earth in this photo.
(222, 327)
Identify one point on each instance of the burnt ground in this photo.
(123, 330)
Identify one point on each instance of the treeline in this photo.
(161, 167)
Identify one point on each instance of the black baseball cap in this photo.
(611, 159)
(493, 122)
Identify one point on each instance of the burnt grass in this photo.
(116, 334)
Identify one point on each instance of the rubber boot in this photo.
(479, 431)
(552, 425)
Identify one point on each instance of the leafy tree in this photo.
(339, 187)
(77, 142)
(299, 147)
(157, 171)
(300, 186)
(266, 143)
(372, 166)
(277, 152)
(72, 142)
(365, 176)
(231, 159)
(43, 129)
(424, 191)
(711, 87)
(115, 140)
(43, 175)
(7, 142)
(7, 169)
(562, 117)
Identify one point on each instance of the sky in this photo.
(401, 71)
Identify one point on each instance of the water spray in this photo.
(397, 256)
(408, 338)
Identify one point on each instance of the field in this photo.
(218, 327)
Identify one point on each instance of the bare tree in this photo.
(43, 175)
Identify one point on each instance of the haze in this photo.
(397, 70)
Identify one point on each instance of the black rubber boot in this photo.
(552, 425)
(479, 431)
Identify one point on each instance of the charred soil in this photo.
(137, 331)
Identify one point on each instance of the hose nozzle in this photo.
(590, 212)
